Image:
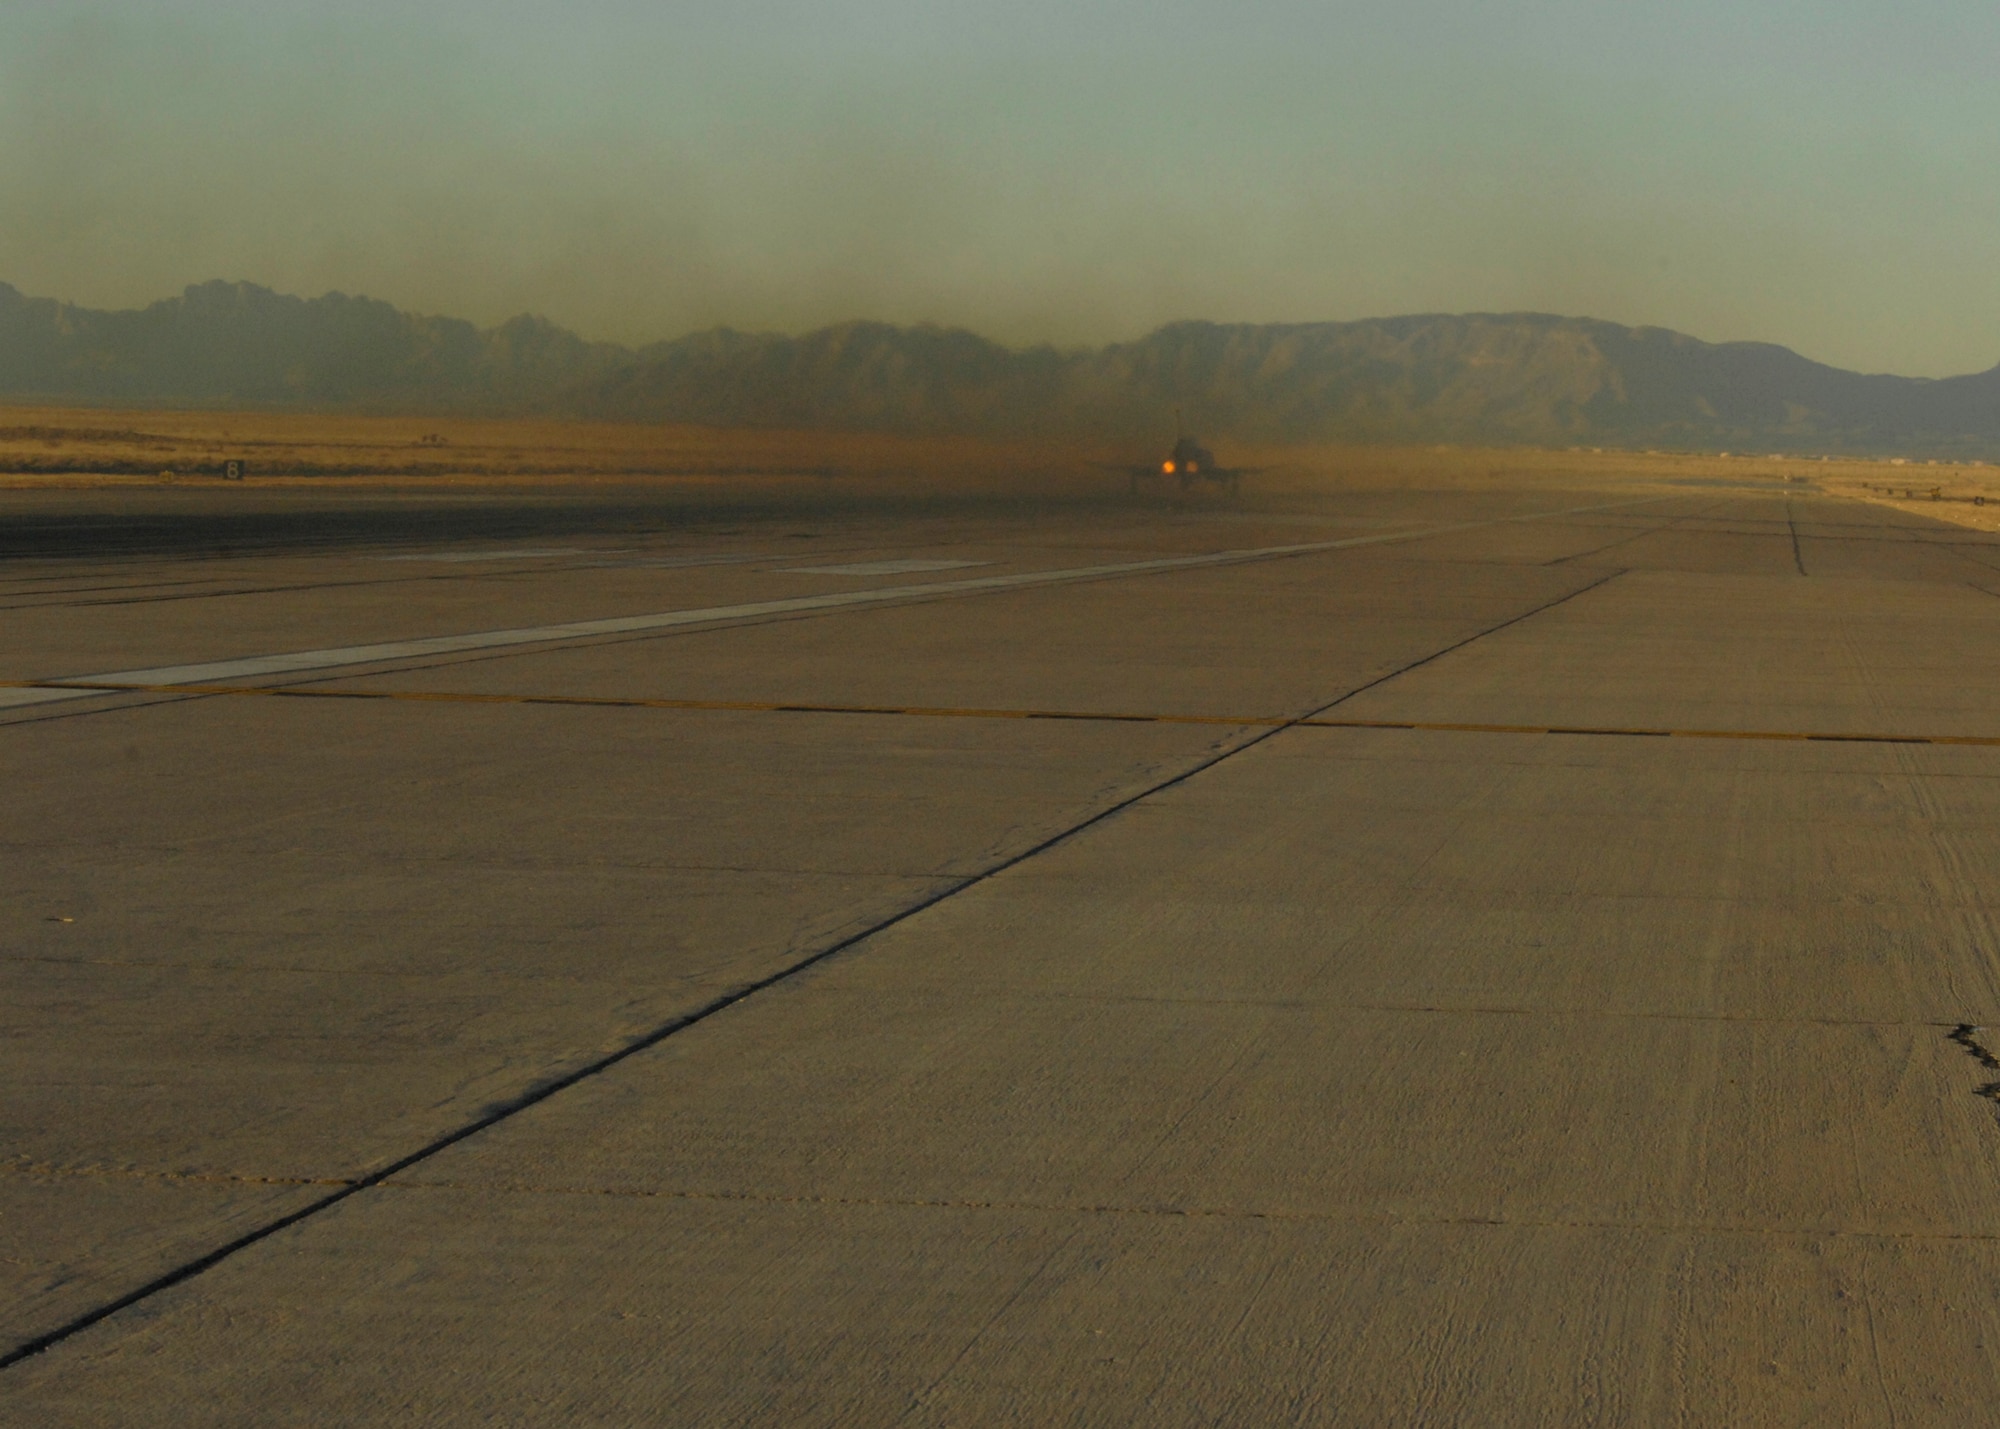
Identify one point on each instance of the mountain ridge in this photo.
(1515, 378)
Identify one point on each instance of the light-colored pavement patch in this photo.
(606, 558)
(882, 568)
(675, 563)
(512, 554)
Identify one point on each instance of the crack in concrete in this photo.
(1966, 1035)
(1635, 536)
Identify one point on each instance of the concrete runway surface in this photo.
(1455, 958)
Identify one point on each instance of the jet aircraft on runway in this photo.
(1190, 462)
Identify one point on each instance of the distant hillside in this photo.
(1523, 377)
(239, 344)
(1510, 378)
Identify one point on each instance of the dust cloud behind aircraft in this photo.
(1802, 174)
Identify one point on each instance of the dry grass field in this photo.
(44, 447)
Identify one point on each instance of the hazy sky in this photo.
(1821, 173)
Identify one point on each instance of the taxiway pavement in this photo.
(1196, 991)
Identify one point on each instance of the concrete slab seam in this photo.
(1222, 1213)
(298, 692)
(1635, 536)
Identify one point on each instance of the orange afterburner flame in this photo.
(1167, 467)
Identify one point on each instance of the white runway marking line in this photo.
(213, 671)
(671, 563)
(594, 558)
(882, 568)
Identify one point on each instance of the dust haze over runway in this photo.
(1499, 955)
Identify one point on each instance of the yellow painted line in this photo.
(953, 712)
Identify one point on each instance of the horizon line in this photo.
(929, 324)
